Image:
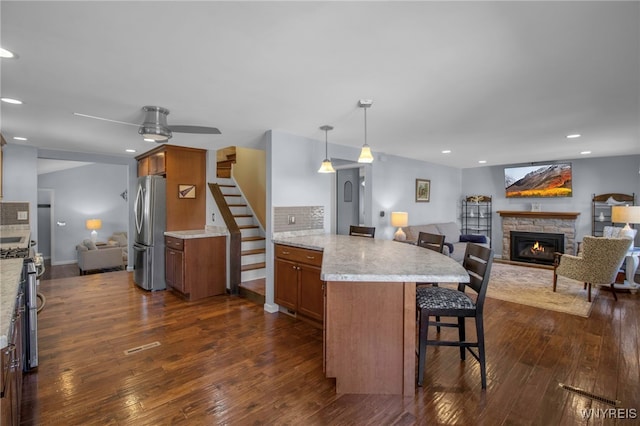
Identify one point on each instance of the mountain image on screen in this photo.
(553, 180)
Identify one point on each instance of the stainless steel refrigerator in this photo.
(150, 223)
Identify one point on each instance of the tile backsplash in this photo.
(306, 218)
(14, 213)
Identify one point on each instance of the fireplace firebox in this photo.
(535, 247)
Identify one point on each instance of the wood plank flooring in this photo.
(223, 360)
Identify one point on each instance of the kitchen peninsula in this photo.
(369, 324)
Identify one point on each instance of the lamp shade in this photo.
(94, 224)
(365, 155)
(399, 219)
(625, 214)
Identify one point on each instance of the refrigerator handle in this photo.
(136, 206)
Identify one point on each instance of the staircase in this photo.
(253, 242)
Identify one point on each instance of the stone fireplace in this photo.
(545, 222)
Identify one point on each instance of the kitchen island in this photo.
(370, 308)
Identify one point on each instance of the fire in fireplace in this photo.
(535, 247)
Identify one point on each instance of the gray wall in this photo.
(82, 193)
(20, 176)
(590, 176)
(19, 179)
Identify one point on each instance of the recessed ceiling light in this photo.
(19, 138)
(482, 161)
(573, 136)
(446, 151)
(149, 140)
(4, 53)
(585, 152)
(130, 150)
(11, 101)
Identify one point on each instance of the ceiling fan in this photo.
(154, 128)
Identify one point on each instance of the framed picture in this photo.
(423, 189)
(186, 191)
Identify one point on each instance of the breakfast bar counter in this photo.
(370, 308)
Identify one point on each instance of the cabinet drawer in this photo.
(174, 243)
(295, 254)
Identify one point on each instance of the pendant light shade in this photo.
(365, 153)
(326, 166)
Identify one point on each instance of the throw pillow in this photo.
(90, 245)
(470, 238)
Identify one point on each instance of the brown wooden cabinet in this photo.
(11, 369)
(298, 286)
(196, 267)
(180, 166)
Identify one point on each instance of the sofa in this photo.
(92, 257)
(455, 242)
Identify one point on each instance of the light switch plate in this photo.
(292, 219)
(22, 216)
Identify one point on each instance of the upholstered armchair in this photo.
(598, 263)
(119, 239)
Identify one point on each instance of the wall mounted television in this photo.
(544, 180)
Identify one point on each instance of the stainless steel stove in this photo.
(14, 252)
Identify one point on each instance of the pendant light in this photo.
(326, 166)
(365, 153)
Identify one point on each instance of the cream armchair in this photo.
(598, 262)
(91, 258)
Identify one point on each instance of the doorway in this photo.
(45, 226)
(349, 199)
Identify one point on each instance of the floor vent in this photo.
(595, 397)
(141, 348)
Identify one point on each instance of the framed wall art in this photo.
(423, 190)
(186, 191)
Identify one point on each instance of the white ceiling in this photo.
(497, 81)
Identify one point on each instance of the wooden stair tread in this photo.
(252, 266)
(256, 286)
(226, 185)
(252, 238)
(248, 226)
(237, 205)
(242, 215)
(253, 251)
(232, 195)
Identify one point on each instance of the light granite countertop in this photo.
(209, 231)
(347, 258)
(10, 275)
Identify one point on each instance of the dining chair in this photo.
(449, 303)
(362, 231)
(433, 242)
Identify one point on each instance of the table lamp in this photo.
(399, 219)
(94, 224)
(627, 215)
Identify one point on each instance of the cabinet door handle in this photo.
(310, 257)
(286, 252)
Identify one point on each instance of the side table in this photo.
(631, 266)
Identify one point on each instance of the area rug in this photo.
(534, 287)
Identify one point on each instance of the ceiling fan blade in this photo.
(105, 119)
(195, 129)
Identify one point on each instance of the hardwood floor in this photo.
(223, 360)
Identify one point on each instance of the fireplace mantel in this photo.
(546, 215)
